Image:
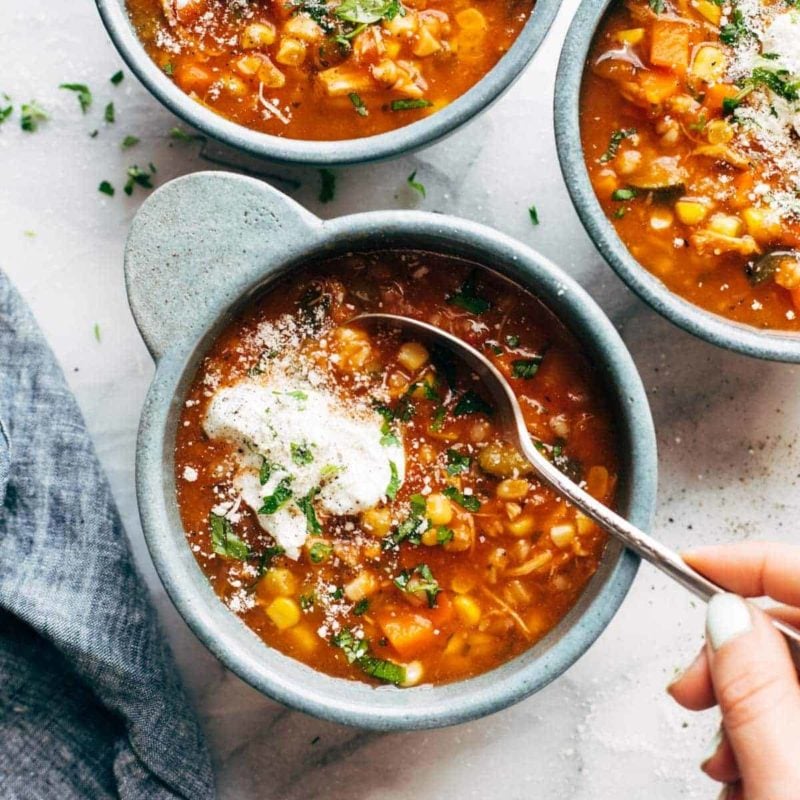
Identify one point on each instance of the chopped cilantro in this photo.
(117, 77)
(306, 505)
(319, 552)
(265, 471)
(386, 671)
(735, 30)
(525, 368)
(658, 6)
(180, 135)
(83, 93)
(415, 184)
(418, 504)
(96, 331)
(408, 530)
(534, 215)
(361, 607)
(623, 194)
(472, 403)
(279, 498)
(138, 177)
(467, 501)
(617, 138)
(468, 299)
(307, 601)
(420, 580)
(169, 69)
(129, 141)
(367, 12)
(358, 104)
(110, 115)
(106, 188)
(265, 559)
(394, 482)
(224, 541)
(457, 463)
(352, 647)
(5, 111)
(31, 114)
(328, 186)
(438, 419)
(444, 534)
(301, 454)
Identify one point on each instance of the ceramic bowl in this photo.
(711, 327)
(199, 249)
(349, 151)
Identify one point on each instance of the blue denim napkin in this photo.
(90, 701)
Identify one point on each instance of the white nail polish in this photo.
(728, 616)
(713, 746)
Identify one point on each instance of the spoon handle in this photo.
(644, 545)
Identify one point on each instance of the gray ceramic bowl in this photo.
(199, 249)
(349, 151)
(711, 327)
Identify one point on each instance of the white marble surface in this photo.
(727, 433)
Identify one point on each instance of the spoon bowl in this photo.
(510, 416)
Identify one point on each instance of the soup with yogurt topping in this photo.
(351, 497)
(690, 121)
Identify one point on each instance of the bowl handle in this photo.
(198, 242)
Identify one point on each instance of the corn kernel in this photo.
(762, 224)
(279, 581)
(284, 612)
(430, 538)
(439, 509)
(711, 11)
(363, 585)
(709, 64)
(521, 526)
(562, 535)
(412, 356)
(726, 225)
(248, 65)
(304, 639)
(661, 219)
(304, 28)
(377, 521)
(270, 75)
(512, 489)
(631, 36)
(584, 524)
(462, 584)
(469, 612)
(414, 673)
(257, 35)
(426, 43)
(718, 131)
(471, 18)
(691, 212)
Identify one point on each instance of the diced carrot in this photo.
(669, 44)
(657, 86)
(409, 633)
(442, 613)
(717, 93)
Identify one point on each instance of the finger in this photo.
(733, 791)
(720, 761)
(751, 569)
(756, 686)
(786, 613)
(693, 689)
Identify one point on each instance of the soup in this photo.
(348, 492)
(690, 114)
(308, 69)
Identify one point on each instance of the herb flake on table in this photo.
(534, 215)
(110, 114)
(106, 188)
(179, 135)
(96, 331)
(138, 177)
(83, 93)
(415, 184)
(129, 141)
(31, 115)
(6, 111)
(117, 78)
(327, 189)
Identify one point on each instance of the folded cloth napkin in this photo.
(90, 701)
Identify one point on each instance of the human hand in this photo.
(745, 667)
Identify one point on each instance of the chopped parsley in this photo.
(138, 177)
(265, 559)
(444, 534)
(106, 188)
(735, 30)
(367, 12)
(457, 463)
(408, 530)
(180, 135)
(83, 93)
(356, 651)
(169, 69)
(512, 340)
(96, 331)
(358, 104)
(306, 505)
(224, 541)
(301, 454)
(779, 81)
(418, 504)
(6, 111)
(110, 114)
(327, 189)
(265, 471)
(472, 403)
(525, 368)
(129, 141)
(467, 501)
(352, 647)
(418, 581)
(117, 78)
(307, 601)
(361, 607)
(657, 6)
(279, 498)
(622, 195)
(319, 552)
(394, 482)
(534, 215)
(409, 105)
(415, 184)
(468, 299)
(617, 138)
(31, 114)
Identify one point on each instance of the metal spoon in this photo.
(509, 415)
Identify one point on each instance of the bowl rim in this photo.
(425, 706)
(713, 328)
(305, 152)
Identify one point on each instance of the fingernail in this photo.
(683, 672)
(728, 616)
(712, 748)
(725, 793)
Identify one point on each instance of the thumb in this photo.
(755, 683)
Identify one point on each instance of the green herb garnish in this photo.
(319, 552)
(358, 104)
(224, 541)
(623, 194)
(180, 135)
(467, 501)
(117, 77)
(512, 340)
(457, 463)
(366, 12)
(31, 114)
(735, 30)
(279, 498)
(472, 403)
(420, 580)
(129, 141)
(525, 368)
(96, 331)
(534, 215)
(106, 188)
(83, 93)
(409, 105)
(356, 651)
(468, 299)
(307, 601)
(306, 505)
(658, 6)
(138, 177)
(5, 111)
(301, 454)
(394, 482)
(361, 607)
(617, 138)
(444, 534)
(110, 115)
(415, 184)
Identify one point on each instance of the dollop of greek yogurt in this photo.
(300, 444)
